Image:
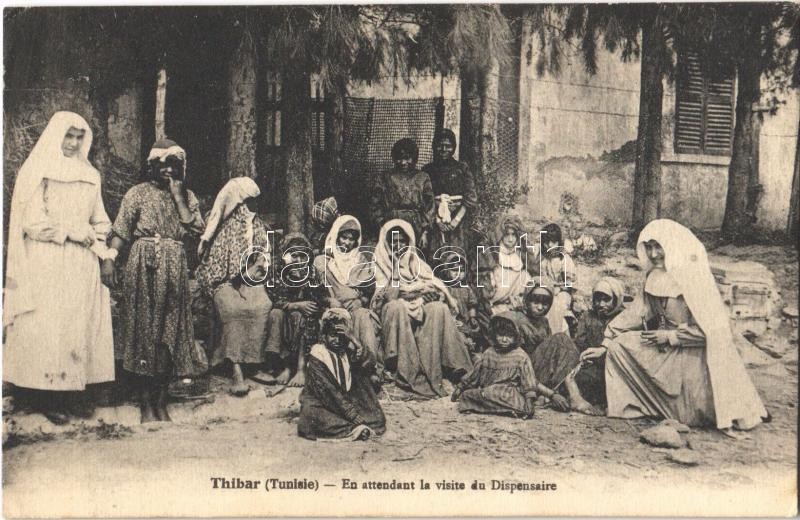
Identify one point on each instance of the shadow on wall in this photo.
(692, 193)
(602, 185)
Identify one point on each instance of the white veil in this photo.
(46, 160)
(735, 397)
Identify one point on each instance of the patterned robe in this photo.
(406, 196)
(157, 329)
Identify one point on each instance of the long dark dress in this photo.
(453, 177)
(328, 409)
(157, 328)
(590, 333)
(407, 196)
(290, 332)
(553, 356)
(498, 383)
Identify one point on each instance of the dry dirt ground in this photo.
(112, 466)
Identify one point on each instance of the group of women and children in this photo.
(496, 330)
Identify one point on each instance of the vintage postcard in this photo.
(400, 260)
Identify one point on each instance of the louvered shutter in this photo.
(704, 110)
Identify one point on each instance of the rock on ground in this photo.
(662, 436)
(684, 456)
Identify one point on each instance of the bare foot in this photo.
(265, 378)
(583, 406)
(161, 406)
(162, 415)
(299, 380)
(239, 388)
(148, 415)
(284, 377)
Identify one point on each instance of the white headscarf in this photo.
(340, 264)
(409, 267)
(46, 161)
(235, 191)
(685, 260)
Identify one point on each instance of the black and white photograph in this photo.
(400, 260)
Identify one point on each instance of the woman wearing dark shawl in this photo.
(338, 401)
(299, 298)
(454, 190)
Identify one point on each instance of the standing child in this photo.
(503, 380)
(157, 329)
(338, 400)
(404, 193)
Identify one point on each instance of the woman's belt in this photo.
(159, 243)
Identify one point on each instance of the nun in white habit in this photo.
(57, 315)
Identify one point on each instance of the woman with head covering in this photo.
(338, 401)
(57, 313)
(157, 330)
(232, 273)
(503, 380)
(558, 271)
(471, 316)
(349, 277)
(671, 354)
(554, 356)
(510, 278)
(454, 190)
(607, 302)
(299, 297)
(404, 192)
(323, 214)
(420, 337)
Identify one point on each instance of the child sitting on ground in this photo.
(607, 302)
(502, 380)
(338, 401)
(555, 357)
(471, 320)
(299, 298)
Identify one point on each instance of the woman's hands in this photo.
(108, 273)
(592, 353)
(307, 308)
(175, 187)
(656, 338)
(201, 248)
(85, 237)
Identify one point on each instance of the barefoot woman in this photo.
(157, 330)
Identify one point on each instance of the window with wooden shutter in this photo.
(704, 109)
